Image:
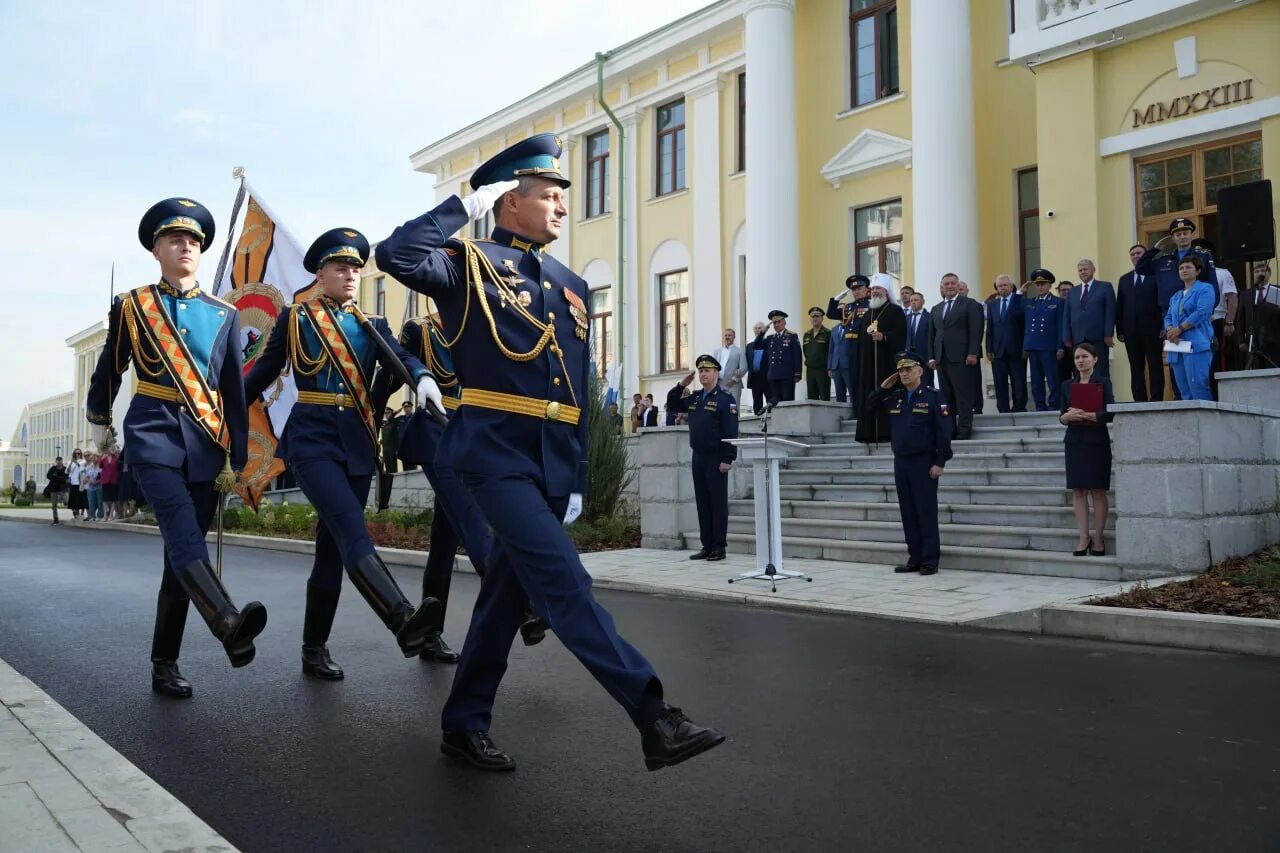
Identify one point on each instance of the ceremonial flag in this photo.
(260, 272)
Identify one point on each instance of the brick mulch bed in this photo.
(1240, 586)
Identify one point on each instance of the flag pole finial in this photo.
(237, 174)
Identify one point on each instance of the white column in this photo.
(773, 201)
(629, 287)
(560, 248)
(708, 278)
(944, 212)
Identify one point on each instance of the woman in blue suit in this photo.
(1190, 318)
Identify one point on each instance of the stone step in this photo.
(983, 460)
(1042, 496)
(995, 420)
(980, 433)
(959, 448)
(965, 476)
(1038, 538)
(840, 512)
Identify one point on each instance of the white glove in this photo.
(575, 508)
(481, 201)
(429, 390)
(98, 434)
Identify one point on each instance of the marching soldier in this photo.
(713, 418)
(1042, 339)
(783, 358)
(817, 345)
(330, 442)
(920, 433)
(186, 429)
(520, 323)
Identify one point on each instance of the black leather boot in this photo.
(436, 649)
(673, 738)
(322, 604)
(171, 619)
(234, 628)
(411, 627)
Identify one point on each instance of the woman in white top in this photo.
(76, 499)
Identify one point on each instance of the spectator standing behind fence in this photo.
(57, 488)
(1006, 328)
(1090, 315)
(817, 349)
(1189, 323)
(75, 497)
(1140, 327)
(1087, 445)
(91, 484)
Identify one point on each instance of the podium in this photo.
(764, 454)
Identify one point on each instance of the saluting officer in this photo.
(713, 418)
(817, 346)
(1042, 340)
(520, 325)
(330, 442)
(784, 359)
(1162, 260)
(920, 433)
(186, 428)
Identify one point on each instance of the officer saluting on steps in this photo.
(920, 433)
(713, 418)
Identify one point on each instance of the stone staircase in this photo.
(1003, 505)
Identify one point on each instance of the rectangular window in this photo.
(602, 328)
(411, 307)
(873, 50)
(877, 234)
(673, 290)
(671, 156)
(482, 228)
(1028, 221)
(597, 173)
(380, 295)
(742, 122)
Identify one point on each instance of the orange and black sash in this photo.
(190, 382)
(342, 357)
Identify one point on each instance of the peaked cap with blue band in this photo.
(176, 214)
(538, 156)
(339, 244)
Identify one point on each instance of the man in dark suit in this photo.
(649, 417)
(920, 334)
(957, 346)
(1090, 316)
(756, 354)
(1005, 328)
(1139, 322)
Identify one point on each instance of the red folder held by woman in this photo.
(1086, 396)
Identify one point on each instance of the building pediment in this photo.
(870, 150)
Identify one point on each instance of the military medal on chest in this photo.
(513, 281)
(578, 311)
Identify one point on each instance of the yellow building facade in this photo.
(755, 153)
(49, 426)
(87, 347)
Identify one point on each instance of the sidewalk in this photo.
(980, 599)
(62, 788)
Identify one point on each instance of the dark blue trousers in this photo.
(843, 378)
(918, 505)
(782, 390)
(1044, 373)
(341, 535)
(456, 521)
(534, 560)
(1010, 371)
(711, 493)
(183, 511)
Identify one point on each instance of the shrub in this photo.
(607, 472)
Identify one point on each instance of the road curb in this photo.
(1208, 632)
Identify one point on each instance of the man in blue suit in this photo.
(1139, 326)
(1005, 330)
(1042, 340)
(920, 334)
(1090, 316)
(519, 330)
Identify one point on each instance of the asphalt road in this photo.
(844, 733)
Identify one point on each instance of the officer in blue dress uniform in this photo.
(519, 438)
(330, 442)
(186, 422)
(843, 358)
(920, 433)
(713, 418)
(1162, 259)
(783, 359)
(1042, 339)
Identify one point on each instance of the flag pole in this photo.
(237, 174)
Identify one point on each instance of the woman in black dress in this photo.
(1088, 448)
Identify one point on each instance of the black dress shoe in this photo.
(673, 738)
(716, 555)
(317, 663)
(1098, 552)
(477, 749)
(701, 555)
(1083, 553)
(438, 650)
(906, 568)
(928, 570)
(533, 631)
(167, 680)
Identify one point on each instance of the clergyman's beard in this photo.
(879, 301)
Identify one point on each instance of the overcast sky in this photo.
(110, 107)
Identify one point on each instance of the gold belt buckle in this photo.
(553, 411)
(341, 400)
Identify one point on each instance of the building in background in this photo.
(87, 346)
(13, 457)
(50, 427)
(912, 137)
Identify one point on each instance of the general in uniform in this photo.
(713, 418)
(920, 434)
(186, 429)
(1042, 340)
(330, 442)
(817, 350)
(519, 324)
(783, 359)
(848, 310)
